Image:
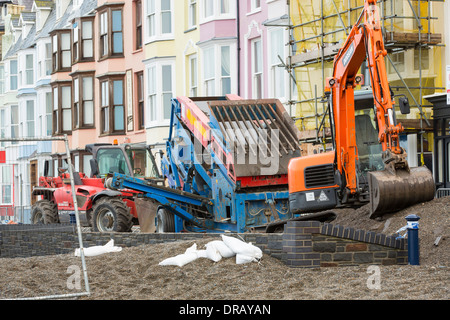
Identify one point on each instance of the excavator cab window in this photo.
(369, 149)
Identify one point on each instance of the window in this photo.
(87, 40)
(48, 59)
(160, 91)
(257, 69)
(2, 79)
(225, 70)
(83, 40)
(138, 18)
(111, 32)
(255, 5)
(75, 41)
(61, 52)
(48, 113)
(3, 126)
(398, 60)
(159, 18)
(151, 17)
(104, 34)
(209, 72)
(13, 75)
(112, 106)
(192, 19)
(167, 90)
(277, 74)
(218, 9)
(152, 92)
(6, 183)
(30, 118)
(209, 8)
(62, 108)
(166, 17)
(140, 98)
(219, 66)
(14, 122)
(83, 101)
(29, 72)
(193, 79)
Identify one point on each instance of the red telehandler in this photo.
(101, 208)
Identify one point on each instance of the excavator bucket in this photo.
(390, 192)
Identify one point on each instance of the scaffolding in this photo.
(415, 68)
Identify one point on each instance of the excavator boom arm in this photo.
(365, 42)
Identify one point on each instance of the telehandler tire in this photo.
(44, 212)
(111, 215)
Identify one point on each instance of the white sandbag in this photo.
(179, 260)
(241, 247)
(241, 259)
(223, 249)
(212, 253)
(202, 254)
(192, 249)
(98, 250)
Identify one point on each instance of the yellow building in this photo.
(171, 66)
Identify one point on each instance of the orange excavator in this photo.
(367, 165)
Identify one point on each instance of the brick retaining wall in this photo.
(312, 244)
(303, 244)
(21, 241)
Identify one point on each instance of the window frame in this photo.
(78, 112)
(57, 52)
(109, 80)
(78, 47)
(107, 9)
(153, 19)
(57, 118)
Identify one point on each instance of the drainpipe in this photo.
(238, 23)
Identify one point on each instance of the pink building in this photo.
(97, 76)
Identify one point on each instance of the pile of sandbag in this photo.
(98, 250)
(216, 250)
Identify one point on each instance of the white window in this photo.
(193, 75)
(167, 92)
(192, 20)
(48, 113)
(217, 9)
(255, 5)
(277, 73)
(14, 122)
(3, 126)
(30, 116)
(66, 105)
(29, 70)
(152, 92)
(160, 91)
(13, 75)
(159, 19)
(219, 68)
(6, 184)
(209, 72)
(225, 70)
(257, 79)
(2, 79)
